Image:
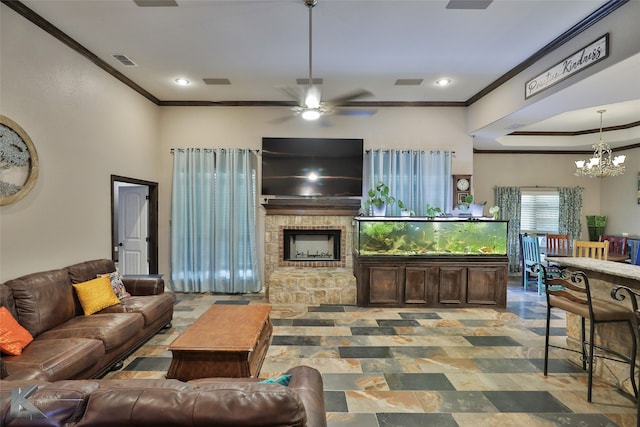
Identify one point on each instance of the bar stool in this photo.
(618, 293)
(573, 295)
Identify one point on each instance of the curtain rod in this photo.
(537, 186)
(407, 151)
(211, 149)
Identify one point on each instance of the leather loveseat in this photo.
(237, 402)
(67, 344)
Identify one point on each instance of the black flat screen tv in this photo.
(312, 167)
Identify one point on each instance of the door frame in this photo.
(152, 220)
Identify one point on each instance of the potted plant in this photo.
(476, 209)
(404, 209)
(433, 211)
(379, 198)
(495, 211)
(596, 225)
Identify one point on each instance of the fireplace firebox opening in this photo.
(311, 245)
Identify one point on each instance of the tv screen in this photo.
(319, 167)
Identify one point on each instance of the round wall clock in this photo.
(18, 162)
(463, 184)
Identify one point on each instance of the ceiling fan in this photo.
(310, 105)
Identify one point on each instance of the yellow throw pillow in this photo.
(96, 295)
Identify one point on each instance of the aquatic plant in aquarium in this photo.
(432, 238)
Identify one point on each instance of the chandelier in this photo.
(601, 164)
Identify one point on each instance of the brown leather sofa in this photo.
(69, 345)
(237, 402)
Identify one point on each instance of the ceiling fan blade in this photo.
(351, 96)
(294, 93)
(282, 119)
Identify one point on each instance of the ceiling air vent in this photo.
(315, 81)
(156, 3)
(408, 82)
(213, 81)
(124, 60)
(469, 4)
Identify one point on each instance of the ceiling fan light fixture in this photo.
(312, 100)
(310, 114)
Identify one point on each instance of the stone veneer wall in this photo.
(328, 282)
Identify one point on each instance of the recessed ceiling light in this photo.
(443, 82)
(182, 82)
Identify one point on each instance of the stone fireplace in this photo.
(308, 256)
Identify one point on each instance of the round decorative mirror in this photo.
(18, 162)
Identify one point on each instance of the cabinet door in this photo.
(452, 285)
(486, 285)
(384, 285)
(415, 289)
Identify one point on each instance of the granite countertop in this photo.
(620, 269)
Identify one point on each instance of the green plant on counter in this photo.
(495, 211)
(405, 208)
(379, 195)
(469, 200)
(433, 211)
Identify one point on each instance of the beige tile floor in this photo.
(417, 367)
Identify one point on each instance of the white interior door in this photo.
(133, 229)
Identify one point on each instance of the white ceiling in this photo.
(261, 46)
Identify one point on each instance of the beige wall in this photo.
(85, 126)
(614, 196)
(407, 128)
(619, 198)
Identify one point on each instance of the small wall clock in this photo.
(18, 162)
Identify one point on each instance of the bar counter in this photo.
(603, 276)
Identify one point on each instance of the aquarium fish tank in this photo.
(410, 236)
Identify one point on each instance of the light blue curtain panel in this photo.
(417, 178)
(213, 221)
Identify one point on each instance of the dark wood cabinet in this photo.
(438, 281)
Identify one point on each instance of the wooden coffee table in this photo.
(226, 341)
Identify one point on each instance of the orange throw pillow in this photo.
(13, 337)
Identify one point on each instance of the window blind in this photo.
(539, 211)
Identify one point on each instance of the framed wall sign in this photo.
(585, 57)
(18, 162)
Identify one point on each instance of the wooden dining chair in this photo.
(530, 260)
(557, 242)
(597, 250)
(617, 245)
